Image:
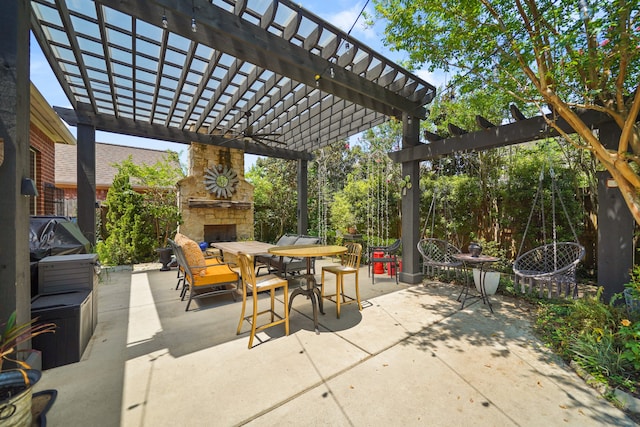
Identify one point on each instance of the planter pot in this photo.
(165, 258)
(491, 280)
(15, 397)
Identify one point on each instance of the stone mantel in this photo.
(218, 204)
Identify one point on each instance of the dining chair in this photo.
(350, 264)
(266, 283)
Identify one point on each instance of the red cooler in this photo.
(392, 268)
(378, 267)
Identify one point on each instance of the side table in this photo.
(481, 262)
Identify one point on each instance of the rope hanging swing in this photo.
(378, 169)
(323, 190)
(552, 266)
(437, 254)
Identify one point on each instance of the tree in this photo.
(125, 225)
(275, 197)
(566, 56)
(158, 182)
(138, 222)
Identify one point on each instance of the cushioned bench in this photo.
(287, 265)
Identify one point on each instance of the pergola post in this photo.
(615, 226)
(15, 278)
(411, 272)
(87, 181)
(303, 197)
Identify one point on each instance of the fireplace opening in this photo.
(220, 233)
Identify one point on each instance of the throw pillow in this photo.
(193, 255)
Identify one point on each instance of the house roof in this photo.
(45, 119)
(241, 74)
(106, 156)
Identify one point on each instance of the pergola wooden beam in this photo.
(228, 33)
(513, 133)
(160, 132)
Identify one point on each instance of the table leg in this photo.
(316, 290)
(465, 289)
(313, 293)
(483, 291)
(312, 296)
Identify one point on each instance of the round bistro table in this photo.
(311, 290)
(480, 262)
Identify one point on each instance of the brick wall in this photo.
(45, 164)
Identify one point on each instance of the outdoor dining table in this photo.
(249, 247)
(480, 262)
(311, 290)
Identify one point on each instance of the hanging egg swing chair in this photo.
(549, 269)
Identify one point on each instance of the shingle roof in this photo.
(106, 156)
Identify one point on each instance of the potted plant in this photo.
(490, 279)
(15, 383)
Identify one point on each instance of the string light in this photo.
(194, 27)
(333, 73)
(164, 21)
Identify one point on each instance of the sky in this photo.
(341, 13)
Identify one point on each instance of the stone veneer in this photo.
(200, 208)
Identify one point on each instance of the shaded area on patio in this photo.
(409, 357)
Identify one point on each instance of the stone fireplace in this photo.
(215, 201)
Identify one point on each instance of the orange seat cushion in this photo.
(214, 274)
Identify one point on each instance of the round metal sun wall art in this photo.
(220, 180)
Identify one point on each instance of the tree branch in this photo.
(628, 136)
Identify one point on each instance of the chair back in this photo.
(247, 272)
(351, 258)
(438, 252)
(393, 248)
(550, 259)
(177, 251)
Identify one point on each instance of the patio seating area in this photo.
(410, 357)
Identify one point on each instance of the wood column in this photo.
(411, 272)
(86, 174)
(615, 226)
(15, 277)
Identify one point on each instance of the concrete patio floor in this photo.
(410, 357)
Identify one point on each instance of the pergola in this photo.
(234, 73)
(265, 76)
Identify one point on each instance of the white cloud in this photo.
(344, 19)
(437, 78)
